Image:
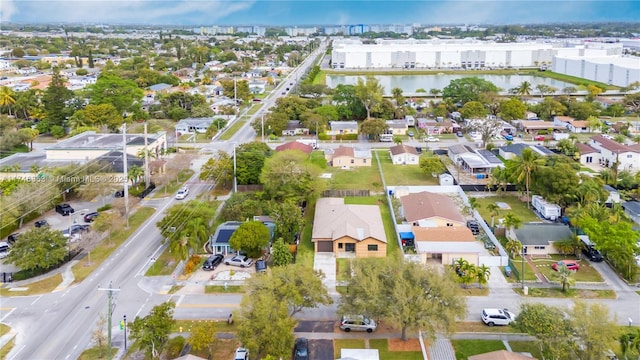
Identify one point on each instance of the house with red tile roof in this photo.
(588, 155)
(295, 145)
(612, 152)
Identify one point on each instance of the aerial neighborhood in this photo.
(320, 192)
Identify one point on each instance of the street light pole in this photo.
(524, 251)
(125, 332)
(235, 181)
(262, 116)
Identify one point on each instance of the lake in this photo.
(410, 83)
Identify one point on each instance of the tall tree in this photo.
(7, 98)
(151, 332)
(494, 210)
(252, 237)
(467, 89)
(202, 336)
(396, 93)
(405, 294)
(473, 110)
(373, 128)
(55, 98)
(522, 168)
(38, 249)
(592, 325)
(250, 160)
(219, 169)
(288, 175)
(524, 88)
(111, 89)
(565, 277)
(281, 254)
(551, 328)
(369, 92)
(511, 223)
(288, 218)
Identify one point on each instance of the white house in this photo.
(342, 127)
(572, 125)
(404, 155)
(397, 127)
(27, 71)
(612, 152)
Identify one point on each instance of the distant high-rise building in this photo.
(300, 31)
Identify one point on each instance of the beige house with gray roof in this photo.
(348, 230)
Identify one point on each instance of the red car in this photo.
(570, 264)
(539, 138)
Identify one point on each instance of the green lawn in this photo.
(43, 286)
(360, 178)
(466, 348)
(570, 293)
(305, 248)
(174, 184)
(343, 269)
(220, 289)
(231, 130)
(586, 272)
(479, 326)
(402, 174)
(387, 219)
(526, 347)
(385, 354)
(529, 274)
(518, 208)
(164, 264)
(101, 252)
(339, 344)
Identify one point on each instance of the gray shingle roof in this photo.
(542, 234)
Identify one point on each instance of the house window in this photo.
(350, 247)
(372, 247)
(353, 161)
(339, 245)
(589, 159)
(629, 156)
(364, 161)
(539, 247)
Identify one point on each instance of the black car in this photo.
(41, 223)
(212, 262)
(90, 216)
(301, 349)
(473, 226)
(64, 209)
(11, 239)
(261, 266)
(79, 228)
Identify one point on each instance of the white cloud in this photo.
(129, 11)
(7, 9)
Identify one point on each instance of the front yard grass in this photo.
(101, 252)
(518, 208)
(339, 344)
(529, 274)
(43, 286)
(474, 291)
(164, 265)
(305, 252)
(343, 269)
(526, 347)
(359, 178)
(385, 354)
(466, 348)
(4, 329)
(586, 272)
(402, 174)
(480, 327)
(570, 293)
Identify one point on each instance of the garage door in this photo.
(325, 246)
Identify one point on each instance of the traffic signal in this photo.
(121, 324)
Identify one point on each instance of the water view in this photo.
(410, 83)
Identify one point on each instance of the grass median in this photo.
(36, 288)
(99, 254)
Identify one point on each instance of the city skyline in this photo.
(291, 13)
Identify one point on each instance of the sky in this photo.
(317, 12)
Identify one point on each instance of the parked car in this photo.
(64, 209)
(357, 323)
(239, 260)
(539, 138)
(11, 239)
(90, 216)
(473, 226)
(570, 264)
(301, 349)
(261, 266)
(410, 133)
(493, 317)
(182, 193)
(431, 139)
(212, 262)
(41, 223)
(241, 354)
(79, 228)
(5, 249)
(459, 134)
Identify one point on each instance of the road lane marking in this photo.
(36, 300)
(15, 355)
(207, 305)
(179, 300)
(7, 314)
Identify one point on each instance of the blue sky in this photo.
(313, 12)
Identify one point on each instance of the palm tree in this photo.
(630, 343)
(7, 97)
(524, 88)
(513, 247)
(494, 210)
(197, 230)
(511, 222)
(396, 93)
(524, 166)
(482, 274)
(565, 277)
(135, 172)
(473, 204)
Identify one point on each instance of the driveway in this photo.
(321, 350)
(326, 262)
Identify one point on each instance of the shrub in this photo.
(174, 347)
(82, 72)
(104, 207)
(347, 137)
(192, 264)
(323, 136)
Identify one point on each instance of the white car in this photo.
(239, 260)
(182, 193)
(493, 317)
(431, 139)
(241, 354)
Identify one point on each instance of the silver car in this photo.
(357, 323)
(239, 260)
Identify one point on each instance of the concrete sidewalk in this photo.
(67, 276)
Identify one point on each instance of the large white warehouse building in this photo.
(612, 70)
(416, 54)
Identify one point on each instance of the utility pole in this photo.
(111, 307)
(235, 181)
(125, 332)
(125, 169)
(262, 116)
(147, 174)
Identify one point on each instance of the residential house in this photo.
(159, 88)
(90, 145)
(218, 242)
(294, 128)
(515, 150)
(588, 155)
(479, 162)
(198, 125)
(611, 152)
(528, 115)
(27, 71)
(434, 127)
(538, 239)
(342, 127)
(428, 209)
(348, 230)
(257, 87)
(397, 127)
(446, 244)
(572, 125)
(347, 157)
(411, 121)
(295, 145)
(533, 126)
(404, 155)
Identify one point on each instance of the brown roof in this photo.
(564, 118)
(500, 355)
(540, 125)
(611, 145)
(443, 233)
(295, 145)
(635, 147)
(334, 219)
(579, 123)
(585, 149)
(403, 149)
(343, 151)
(425, 205)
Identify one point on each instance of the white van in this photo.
(357, 323)
(5, 249)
